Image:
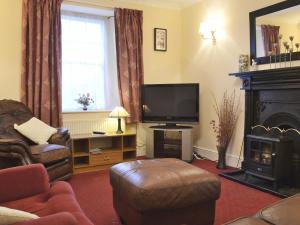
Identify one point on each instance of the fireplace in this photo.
(272, 123)
(266, 158)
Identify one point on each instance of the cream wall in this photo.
(10, 48)
(210, 64)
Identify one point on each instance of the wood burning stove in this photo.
(271, 100)
(268, 158)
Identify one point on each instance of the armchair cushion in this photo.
(49, 153)
(60, 198)
(36, 130)
(62, 218)
(18, 182)
(10, 216)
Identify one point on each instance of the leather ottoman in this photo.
(164, 192)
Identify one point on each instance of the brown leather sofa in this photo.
(15, 149)
(164, 192)
(283, 212)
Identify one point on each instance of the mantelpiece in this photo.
(272, 99)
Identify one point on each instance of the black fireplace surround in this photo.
(272, 99)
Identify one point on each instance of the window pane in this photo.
(84, 58)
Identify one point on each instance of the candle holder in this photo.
(297, 45)
(279, 48)
(270, 55)
(291, 39)
(275, 55)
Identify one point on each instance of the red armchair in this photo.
(27, 188)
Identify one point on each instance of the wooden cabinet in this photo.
(93, 152)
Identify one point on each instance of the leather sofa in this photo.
(15, 149)
(27, 188)
(283, 212)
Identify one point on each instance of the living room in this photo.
(205, 42)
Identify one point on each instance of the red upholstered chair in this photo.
(27, 188)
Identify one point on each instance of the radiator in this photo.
(85, 126)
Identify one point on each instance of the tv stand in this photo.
(170, 142)
(171, 126)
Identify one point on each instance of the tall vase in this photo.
(221, 157)
(84, 107)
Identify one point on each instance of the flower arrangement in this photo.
(85, 100)
(227, 112)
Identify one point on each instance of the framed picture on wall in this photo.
(160, 39)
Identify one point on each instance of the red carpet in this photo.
(94, 194)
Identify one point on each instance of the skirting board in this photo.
(231, 160)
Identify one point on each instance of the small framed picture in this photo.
(160, 39)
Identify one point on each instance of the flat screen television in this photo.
(170, 103)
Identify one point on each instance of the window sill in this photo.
(87, 111)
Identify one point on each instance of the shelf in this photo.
(129, 159)
(80, 154)
(129, 149)
(81, 165)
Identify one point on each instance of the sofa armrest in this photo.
(63, 218)
(62, 137)
(23, 181)
(15, 148)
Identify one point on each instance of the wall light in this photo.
(208, 31)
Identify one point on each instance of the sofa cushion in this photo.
(10, 216)
(36, 130)
(285, 211)
(49, 153)
(247, 221)
(60, 198)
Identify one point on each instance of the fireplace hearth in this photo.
(272, 154)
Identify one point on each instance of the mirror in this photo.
(275, 31)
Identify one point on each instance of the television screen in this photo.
(170, 103)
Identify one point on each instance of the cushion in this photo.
(49, 152)
(59, 199)
(10, 216)
(247, 221)
(36, 130)
(285, 211)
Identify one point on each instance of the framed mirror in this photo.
(275, 32)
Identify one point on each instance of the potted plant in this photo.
(227, 113)
(85, 100)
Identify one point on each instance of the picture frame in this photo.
(160, 39)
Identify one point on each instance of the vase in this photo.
(221, 157)
(84, 107)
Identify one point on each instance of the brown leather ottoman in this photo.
(164, 192)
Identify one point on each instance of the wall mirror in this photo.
(275, 32)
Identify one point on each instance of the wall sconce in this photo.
(208, 30)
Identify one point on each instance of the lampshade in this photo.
(119, 112)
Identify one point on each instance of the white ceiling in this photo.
(172, 4)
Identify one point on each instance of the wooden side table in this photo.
(91, 152)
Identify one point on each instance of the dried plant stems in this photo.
(227, 112)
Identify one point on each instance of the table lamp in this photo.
(119, 112)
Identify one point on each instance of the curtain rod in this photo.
(89, 3)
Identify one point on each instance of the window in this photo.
(88, 61)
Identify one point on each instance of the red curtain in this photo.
(41, 59)
(270, 35)
(129, 45)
